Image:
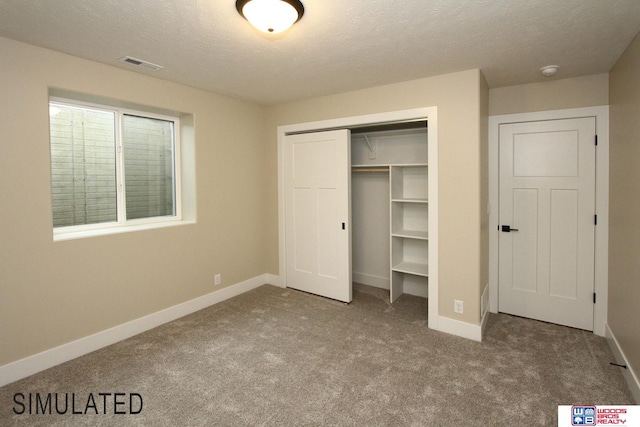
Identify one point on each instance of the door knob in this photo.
(508, 229)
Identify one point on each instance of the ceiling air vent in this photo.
(140, 63)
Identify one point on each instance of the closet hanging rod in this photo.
(384, 169)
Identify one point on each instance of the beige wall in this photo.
(624, 203)
(459, 97)
(587, 91)
(53, 293)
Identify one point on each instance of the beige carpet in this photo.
(278, 357)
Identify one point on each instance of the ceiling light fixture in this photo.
(549, 70)
(271, 16)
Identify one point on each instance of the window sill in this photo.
(58, 237)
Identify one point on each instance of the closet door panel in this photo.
(317, 202)
(302, 237)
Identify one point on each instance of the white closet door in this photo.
(317, 213)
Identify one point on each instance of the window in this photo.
(112, 168)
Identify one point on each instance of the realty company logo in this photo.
(583, 415)
(592, 415)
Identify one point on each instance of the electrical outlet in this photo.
(218, 279)
(458, 306)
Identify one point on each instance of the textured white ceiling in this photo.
(338, 45)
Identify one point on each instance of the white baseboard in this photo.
(370, 280)
(274, 280)
(629, 374)
(30, 365)
(461, 329)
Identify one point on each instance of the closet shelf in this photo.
(386, 165)
(412, 268)
(411, 234)
(370, 169)
(410, 200)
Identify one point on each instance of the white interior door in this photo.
(317, 213)
(547, 201)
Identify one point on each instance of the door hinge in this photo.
(596, 139)
(594, 297)
(595, 220)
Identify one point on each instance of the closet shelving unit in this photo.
(403, 156)
(409, 227)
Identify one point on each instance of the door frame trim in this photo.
(427, 113)
(601, 115)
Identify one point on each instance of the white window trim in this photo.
(122, 225)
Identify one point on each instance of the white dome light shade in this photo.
(271, 16)
(549, 70)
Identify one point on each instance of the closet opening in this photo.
(389, 207)
(325, 242)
